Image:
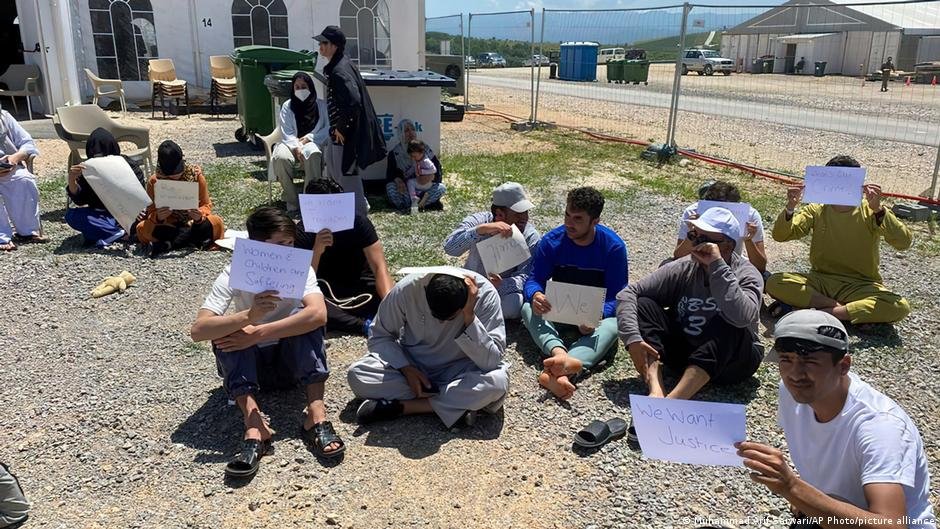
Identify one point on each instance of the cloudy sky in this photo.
(436, 8)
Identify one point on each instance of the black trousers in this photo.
(352, 320)
(728, 354)
(198, 234)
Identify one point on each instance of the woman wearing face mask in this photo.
(167, 229)
(96, 224)
(305, 127)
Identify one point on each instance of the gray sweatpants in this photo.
(282, 169)
(351, 183)
(13, 505)
(462, 386)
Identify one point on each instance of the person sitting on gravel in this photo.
(510, 206)
(437, 345)
(580, 252)
(401, 165)
(96, 224)
(351, 265)
(752, 245)
(858, 455)
(697, 316)
(269, 343)
(843, 256)
(19, 195)
(165, 229)
(305, 128)
(14, 509)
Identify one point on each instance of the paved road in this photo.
(920, 133)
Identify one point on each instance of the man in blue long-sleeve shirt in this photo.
(581, 252)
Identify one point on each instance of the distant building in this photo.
(851, 40)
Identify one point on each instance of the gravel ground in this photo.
(899, 167)
(120, 420)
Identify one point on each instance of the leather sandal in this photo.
(246, 463)
(321, 436)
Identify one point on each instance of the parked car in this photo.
(491, 60)
(705, 62)
(536, 60)
(470, 62)
(610, 54)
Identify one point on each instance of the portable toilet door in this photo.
(578, 61)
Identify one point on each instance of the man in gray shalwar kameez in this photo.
(437, 346)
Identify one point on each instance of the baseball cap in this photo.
(719, 220)
(511, 195)
(426, 166)
(813, 326)
(332, 34)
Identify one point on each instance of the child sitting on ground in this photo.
(422, 188)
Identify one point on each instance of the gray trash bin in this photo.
(820, 69)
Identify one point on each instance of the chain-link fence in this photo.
(777, 87)
(445, 48)
(498, 43)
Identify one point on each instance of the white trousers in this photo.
(282, 169)
(19, 204)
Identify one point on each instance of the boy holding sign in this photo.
(510, 207)
(698, 315)
(844, 257)
(269, 343)
(858, 455)
(580, 252)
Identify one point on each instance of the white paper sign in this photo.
(575, 304)
(837, 186)
(500, 253)
(688, 431)
(335, 212)
(118, 188)
(259, 266)
(228, 238)
(176, 195)
(427, 270)
(740, 210)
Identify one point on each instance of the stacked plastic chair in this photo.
(223, 86)
(163, 81)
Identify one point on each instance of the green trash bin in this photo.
(615, 71)
(252, 64)
(636, 71)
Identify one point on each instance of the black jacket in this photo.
(352, 114)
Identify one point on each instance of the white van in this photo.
(610, 54)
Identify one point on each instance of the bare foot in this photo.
(8, 247)
(561, 365)
(561, 387)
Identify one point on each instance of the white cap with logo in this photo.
(511, 195)
(719, 220)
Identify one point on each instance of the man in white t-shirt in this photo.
(857, 453)
(269, 343)
(750, 246)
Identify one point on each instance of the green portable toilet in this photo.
(252, 64)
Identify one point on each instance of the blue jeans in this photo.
(96, 225)
(282, 365)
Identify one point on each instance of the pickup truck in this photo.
(705, 62)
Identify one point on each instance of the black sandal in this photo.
(246, 463)
(323, 435)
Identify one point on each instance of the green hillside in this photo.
(666, 49)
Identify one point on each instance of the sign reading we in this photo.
(688, 431)
(574, 304)
(837, 186)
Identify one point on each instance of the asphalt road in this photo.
(885, 128)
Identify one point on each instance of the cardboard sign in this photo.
(837, 186)
(740, 210)
(688, 431)
(176, 195)
(500, 253)
(428, 270)
(335, 212)
(259, 266)
(118, 188)
(574, 304)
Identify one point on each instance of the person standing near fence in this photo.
(886, 70)
(356, 139)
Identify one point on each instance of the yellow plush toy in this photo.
(114, 284)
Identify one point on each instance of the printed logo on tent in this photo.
(387, 124)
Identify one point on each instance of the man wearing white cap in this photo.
(859, 457)
(697, 315)
(510, 207)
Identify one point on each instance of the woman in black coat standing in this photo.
(356, 140)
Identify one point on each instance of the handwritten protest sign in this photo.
(740, 210)
(500, 253)
(259, 266)
(574, 304)
(176, 195)
(838, 186)
(427, 270)
(117, 187)
(688, 431)
(335, 212)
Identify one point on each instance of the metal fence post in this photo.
(532, 69)
(936, 171)
(463, 59)
(677, 80)
(466, 90)
(538, 77)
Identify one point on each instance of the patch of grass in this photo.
(235, 191)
